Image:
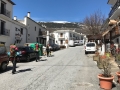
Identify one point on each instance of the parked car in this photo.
(81, 42)
(26, 53)
(71, 43)
(76, 42)
(90, 47)
(55, 47)
(4, 59)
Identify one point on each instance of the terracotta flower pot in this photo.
(105, 82)
(118, 74)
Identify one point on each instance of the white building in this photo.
(63, 36)
(11, 31)
(35, 32)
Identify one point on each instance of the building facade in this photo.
(62, 37)
(11, 31)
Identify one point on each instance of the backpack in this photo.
(12, 51)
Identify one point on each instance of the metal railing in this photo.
(5, 12)
(5, 32)
(117, 4)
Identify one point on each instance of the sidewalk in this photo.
(114, 69)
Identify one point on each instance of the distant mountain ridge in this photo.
(59, 24)
(63, 25)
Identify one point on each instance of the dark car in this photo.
(55, 47)
(26, 53)
(4, 59)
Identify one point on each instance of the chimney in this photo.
(28, 14)
(15, 18)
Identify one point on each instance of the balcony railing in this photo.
(5, 12)
(61, 36)
(117, 4)
(5, 32)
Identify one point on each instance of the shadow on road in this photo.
(8, 69)
(24, 70)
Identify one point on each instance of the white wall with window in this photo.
(62, 35)
(33, 29)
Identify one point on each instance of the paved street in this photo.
(68, 69)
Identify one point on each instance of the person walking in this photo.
(13, 56)
(47, 50)
(37, 51)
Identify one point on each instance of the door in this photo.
(2, 27)
(2, 7)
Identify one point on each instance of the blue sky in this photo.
(59, 10)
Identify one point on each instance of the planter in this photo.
(118, 74)
(96, 58)
(105, 82)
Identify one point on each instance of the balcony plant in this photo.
(106, 78)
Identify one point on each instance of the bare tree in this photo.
(94, 21)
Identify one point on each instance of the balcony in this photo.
(61, 37)
(5, 12)
(5, 32)
(114, 8)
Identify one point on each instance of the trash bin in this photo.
(40, 47)
(40, 50)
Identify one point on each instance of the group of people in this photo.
(13, 54)
(47, 51)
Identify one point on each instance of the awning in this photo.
(104, 33)
(112, 22)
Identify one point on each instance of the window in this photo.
(40, 32)
(61, 42)
(117, 40)
(35, 28)
(2, 50)
(21, 31)
(90, 45)
(3, 7)
(15, 29)
(2, 27)
(61, 34)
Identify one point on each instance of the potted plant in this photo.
(99, 62)
(96, 57)
(106, 78)
(118, 72)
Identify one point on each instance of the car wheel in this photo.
(28, 58)
(85, 52)
(3, 66)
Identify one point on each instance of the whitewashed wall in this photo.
(32, 33)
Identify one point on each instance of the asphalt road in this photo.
(67, 69)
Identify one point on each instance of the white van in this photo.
(90, 47)
(71, 43)
(81, 42)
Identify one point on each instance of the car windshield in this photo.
(2, 50)
(90, 45)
